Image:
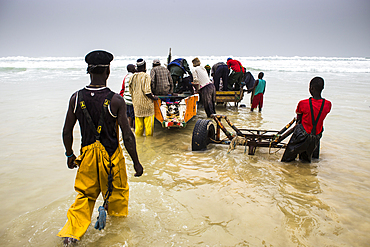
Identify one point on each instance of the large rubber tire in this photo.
(203, 132)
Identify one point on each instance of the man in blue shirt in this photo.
(259, 89)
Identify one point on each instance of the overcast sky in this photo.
(333, 28)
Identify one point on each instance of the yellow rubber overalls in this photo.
(146, 123)
(91, 179)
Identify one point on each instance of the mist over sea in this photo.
(187, 198)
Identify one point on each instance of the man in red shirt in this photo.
(236, 77)
(311, 113)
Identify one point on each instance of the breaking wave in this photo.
(274, 63)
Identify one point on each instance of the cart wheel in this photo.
(203, 132)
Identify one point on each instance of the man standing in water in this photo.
(125, 93)
(101, 162)
(259, 90)
(311, 113)
(142, 100)
(161, 80)
(206, 90)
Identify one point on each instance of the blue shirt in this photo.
(260, 88)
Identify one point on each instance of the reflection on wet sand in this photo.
(299, 200)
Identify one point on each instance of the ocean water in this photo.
(185, 198)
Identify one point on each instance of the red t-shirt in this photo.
(235, 65)
(303, 108)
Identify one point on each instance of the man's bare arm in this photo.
(254, 86)
(67, 133)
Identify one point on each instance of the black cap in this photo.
(99, 58)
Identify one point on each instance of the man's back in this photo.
(303, 108)
(161, 81)
(235, 65)
(139, 87)
(179, 67)
(125, 91)
(200, 76)
(94, 99)
(260, 88)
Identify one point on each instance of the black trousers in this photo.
(234, 81)
(307, 146)
(208, 98)
(221, 72)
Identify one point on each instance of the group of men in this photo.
(98, 110)
(237, 79)
(230, 81)
(141, 90)
(178, 78)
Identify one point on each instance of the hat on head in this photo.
(196, 62)
(156, 62)
(229, 59)
(140, 62)
(99, 58)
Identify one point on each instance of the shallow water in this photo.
(187, 198)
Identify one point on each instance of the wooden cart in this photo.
(229, 96)
(204, 133)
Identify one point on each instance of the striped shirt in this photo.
(125, 92)
(139, 87)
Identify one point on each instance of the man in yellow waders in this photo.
(101, 162)
(142, 100)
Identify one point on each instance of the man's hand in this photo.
(151, 96)
(71, 162)
(139, 169)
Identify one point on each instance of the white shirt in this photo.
(200, 76)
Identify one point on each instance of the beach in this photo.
(185, 198)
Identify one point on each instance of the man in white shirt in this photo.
(205, 87)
